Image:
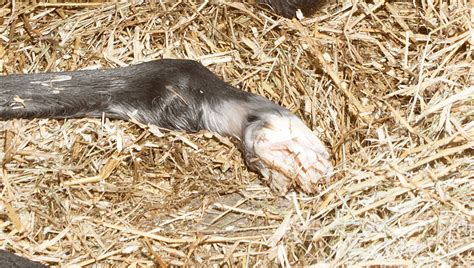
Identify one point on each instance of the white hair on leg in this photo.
(228, 121)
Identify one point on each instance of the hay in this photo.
(388, 85)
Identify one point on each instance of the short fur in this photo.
(170, 93)
(173, 94)
(179, 95)
(288, 8)
(10, 260)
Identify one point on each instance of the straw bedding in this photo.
(388, 86)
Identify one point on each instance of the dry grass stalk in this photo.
(388, 85)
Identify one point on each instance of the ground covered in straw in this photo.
(387, 85)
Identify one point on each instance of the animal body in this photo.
(10, 260)
(179, 95)
(288, 8)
